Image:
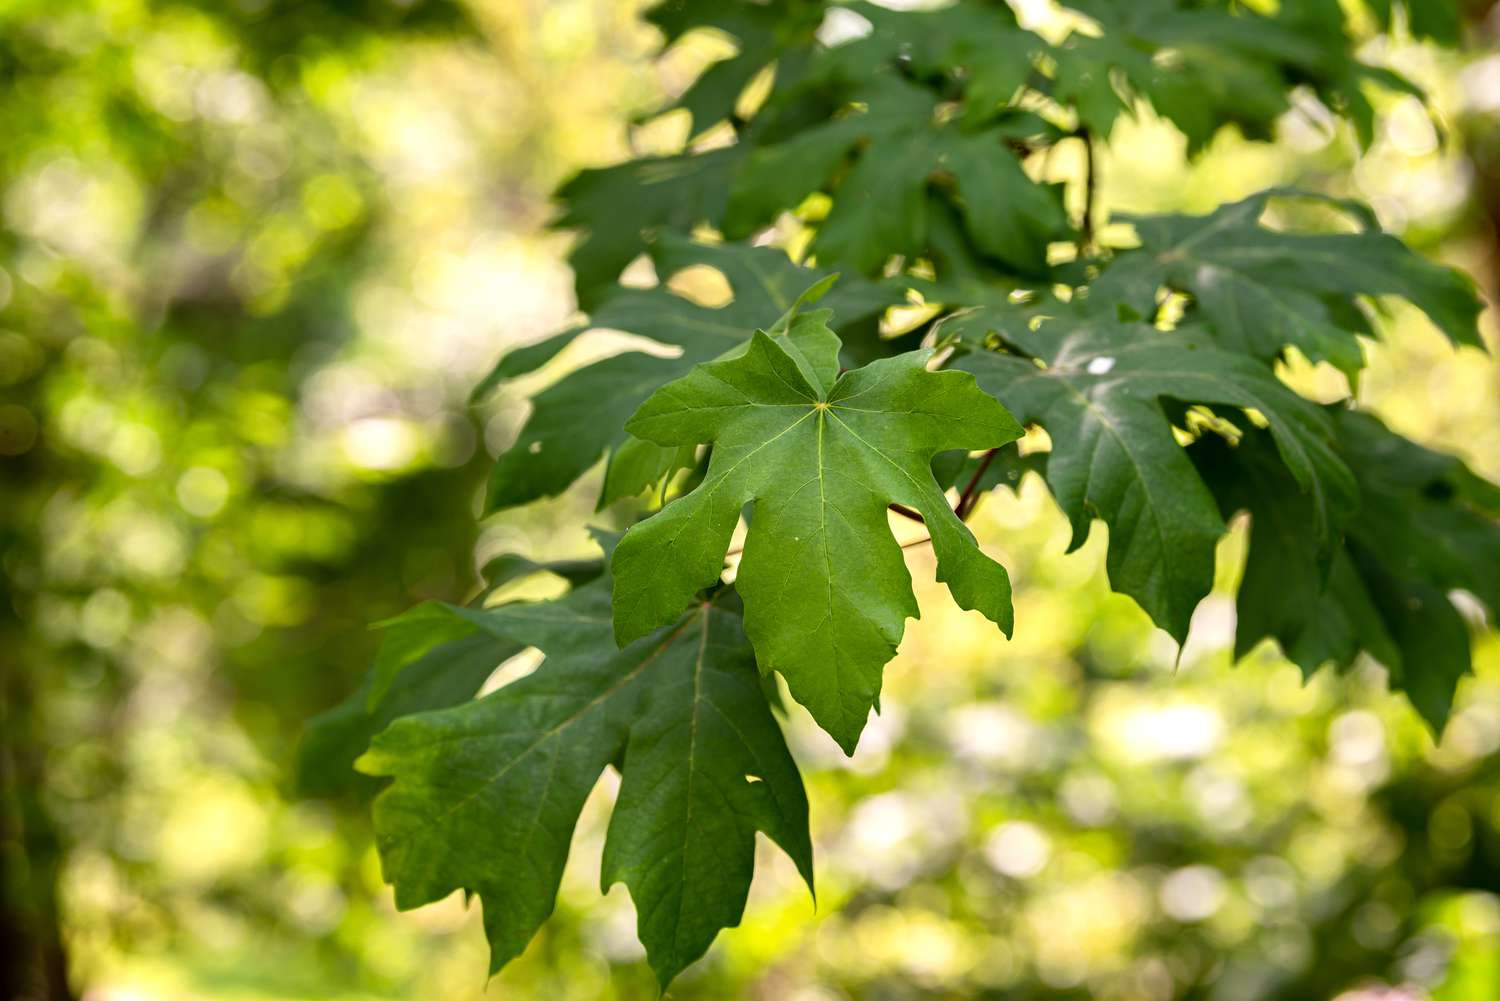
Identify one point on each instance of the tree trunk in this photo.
(1483, 140)
(33, 965)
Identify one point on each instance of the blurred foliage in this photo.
(253, 256)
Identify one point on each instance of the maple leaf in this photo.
(976, 47)
(1204, 67)
(1097, 388)
(615, 208)
(763, 33)
(880, 204)
(486, 795)
(428, 658)
(918, 137)
(582, 416)
(820, 456)
(705, 768)
(1261, 290)
(1425, 528)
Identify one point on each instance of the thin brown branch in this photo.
(907, 512)
(969, 498)
(1090, 190)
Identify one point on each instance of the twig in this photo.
(969, 499)
(907, 512)
(1086, 224)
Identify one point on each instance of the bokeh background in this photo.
(254, 254)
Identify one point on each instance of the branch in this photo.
(969, 499)
(1091, 182)
(907, 512)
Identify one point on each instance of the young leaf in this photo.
(1097, 391)
(486, 795)
(820, 456)
(637, 465)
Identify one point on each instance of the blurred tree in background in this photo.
(253, 255)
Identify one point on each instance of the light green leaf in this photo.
(638, 465)
(582, 416)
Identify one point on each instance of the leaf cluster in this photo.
(905, 150)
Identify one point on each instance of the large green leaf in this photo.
(705, 768)
(763, 34)
(580, 417)
(977, 48)
(1426, 527)
(429, 658)
(880, 203)
(616, 208)
(486, 795)
(1207, 65)
(1097, 387)
(1260, 290)
(820, 456)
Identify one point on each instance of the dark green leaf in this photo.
(615, 207)
(1261, 290)
(429, 658)
(1096, 387)
(1425, 528)
(486, 795)
(705, 768)
(880, 205)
